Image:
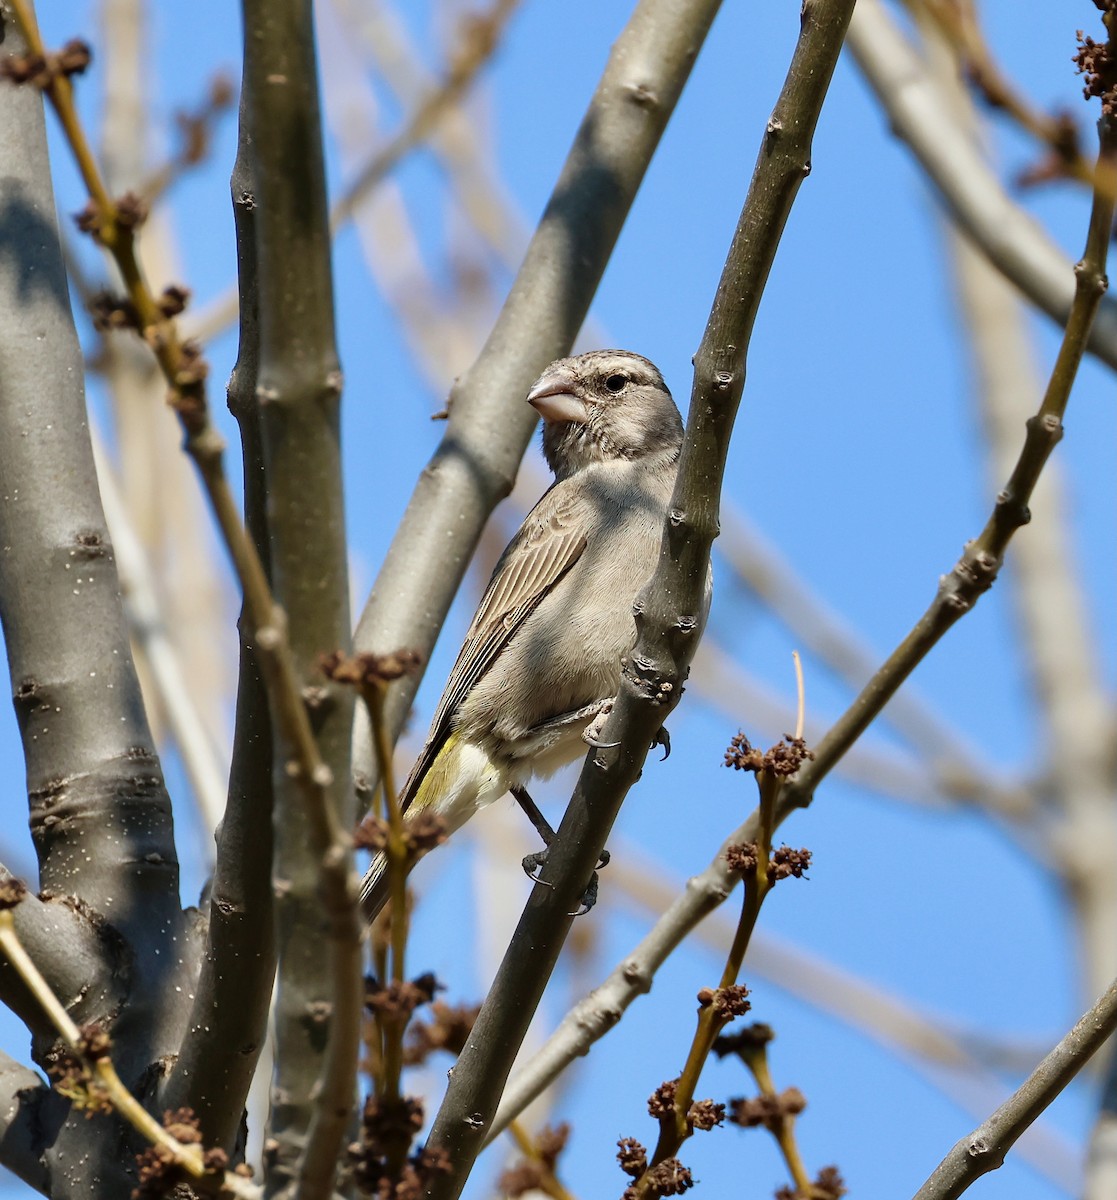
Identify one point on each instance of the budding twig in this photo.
(93, 1054)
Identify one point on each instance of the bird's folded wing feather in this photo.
(547, 545)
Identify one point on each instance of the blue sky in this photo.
(857, 452)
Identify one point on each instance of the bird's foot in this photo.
(533, 864)
(662, 738)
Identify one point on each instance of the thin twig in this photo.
(976, 571)
(928, 1040)
(547, 1182)
(985, 1149)
(391, 1027)
(480, 36)
(1007, 236)
(958, 24)
(753, 1051)
(148, 626)
(717, 1008)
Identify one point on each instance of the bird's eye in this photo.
(616, 384)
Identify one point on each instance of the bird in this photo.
(542, 658)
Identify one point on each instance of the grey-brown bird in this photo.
(541, 661)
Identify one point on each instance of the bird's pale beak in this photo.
(554, 398)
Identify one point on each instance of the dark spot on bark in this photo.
(90, 543)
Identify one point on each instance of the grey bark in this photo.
(298, 401)
(100, 814)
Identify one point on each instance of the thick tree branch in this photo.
(23, 1100)
(298, 392)
(84, 960)
(101, 817)
(489, 427)
(667, 611)
(233, 993)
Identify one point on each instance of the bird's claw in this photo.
(533, 864)
(589, 898)
(662, 738)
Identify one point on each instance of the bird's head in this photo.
(605, 405)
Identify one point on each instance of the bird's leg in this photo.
(542, 825)
(533, 863)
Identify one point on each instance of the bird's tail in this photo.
(460, 779)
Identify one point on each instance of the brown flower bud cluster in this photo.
(448, 1029)
(661, 1103)
(422, 833)
(786, 861)
(769, 1111)
(742, 858)
(195, 129)
(1096, 62)
(828, 1185)
(41, 70)
(753, 1039)
(668, 1178)
(160, 1172)
(398, 1000)
(12, 891)
(741, 756)
(782, 759)
(384, 1125)
(726, 1002)
(73, 1079)
(705, 1114)
(128, 213)
(363, 670)
(535, 1173)
(632, 1156)
(72, 1073)
(118, 312)
(186, 396)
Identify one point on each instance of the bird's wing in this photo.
(546, 546)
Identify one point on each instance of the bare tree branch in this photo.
(985, 1149)
(667, 610)
(1060, 650)
(489, 426)
(24, 1099)
(480, 37)
(1006, 235)
(101, 817)
(83, 959)
(1078, 721)
(147, 623)
(933, 1047)
(298, 392)
(233, 993)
